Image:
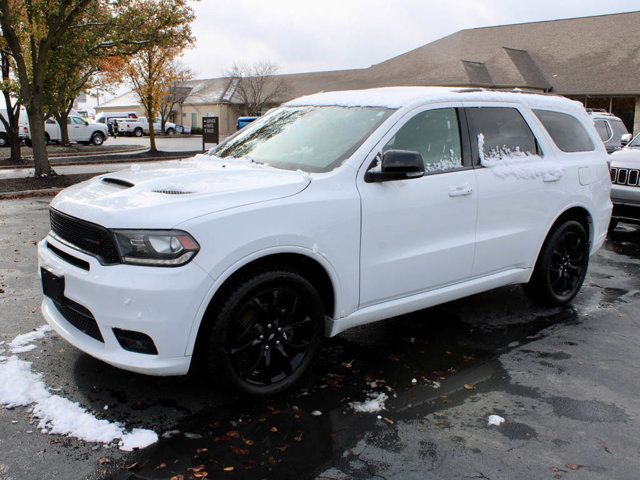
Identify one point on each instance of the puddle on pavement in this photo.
(283, 438)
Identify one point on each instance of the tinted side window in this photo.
(603, 130)
(435, 134)
(566, 131)
(504, 131)
(618, 128)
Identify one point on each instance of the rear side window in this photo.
(503, 131)
(618, 128)
(603, 130)
(566, 131)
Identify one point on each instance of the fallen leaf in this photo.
(271, 460)
(202, 450)
(243, 452)
(573, 466)
(201, 474)
(231, 434)
(247, 441)
(197, 469)
(298, 437)
(388, 420)
(134, 467)
(228, 469)
(104, 461)
(162, 465)
(274, 429)
(283, 448)
(177, 477)
(469, 386)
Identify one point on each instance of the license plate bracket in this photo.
(52, 285)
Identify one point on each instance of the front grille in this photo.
(80, 317)
(86, 236)
(625, 176)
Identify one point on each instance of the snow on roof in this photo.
(128, 99)
(208, 91)
(398, 97)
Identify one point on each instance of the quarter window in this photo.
(567, 131)
(435, 134)
(502, 131)
(603, 130)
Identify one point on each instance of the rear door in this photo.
(419, 234)
(518, 191)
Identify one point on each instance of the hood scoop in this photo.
(172, 191)
(117, 182)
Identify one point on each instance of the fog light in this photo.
(135, 341)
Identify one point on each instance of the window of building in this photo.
(503, 131)
(566, 131)
(194, 120)
(435, 134)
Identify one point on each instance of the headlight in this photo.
(162, 248)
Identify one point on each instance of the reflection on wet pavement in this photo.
(423, 362)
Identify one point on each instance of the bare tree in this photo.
(258, 85)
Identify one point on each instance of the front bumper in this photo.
(626, 203)
(159, 302)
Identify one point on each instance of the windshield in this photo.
(313, 139)
(635, 142)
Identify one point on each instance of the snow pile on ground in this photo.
(20, 386)
(24, 343)
(496, 420)
(373, 403)
(515, 163)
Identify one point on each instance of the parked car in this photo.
(244, 121)
(332, 211)
(140, 126)
(4, 137)
(625, 180)
(79, 129)
(107, 118)
(611, 129)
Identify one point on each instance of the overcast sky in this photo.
(303, 36)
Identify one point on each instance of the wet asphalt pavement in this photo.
(565, 380)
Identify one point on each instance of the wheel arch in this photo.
(313, 267)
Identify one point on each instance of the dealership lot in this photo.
(565, 381)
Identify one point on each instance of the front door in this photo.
(78, 129)
(419, 234)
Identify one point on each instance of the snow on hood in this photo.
(163, 196)
(626, 158)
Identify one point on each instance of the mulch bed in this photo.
(70, 150)
(10, 185)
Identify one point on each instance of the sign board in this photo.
(210, 131)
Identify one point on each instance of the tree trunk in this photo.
(38, 141)
(61, 118)
(152, 138)
(16, 153)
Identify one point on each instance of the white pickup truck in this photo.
(139, 126)
(79, 129)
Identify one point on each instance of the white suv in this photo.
(335, 210)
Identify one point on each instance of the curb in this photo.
(43, 192)
(71, 155)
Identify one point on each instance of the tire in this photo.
(266, 332)
(28, 142)
(138, 132)
(97, 139)
(612, 226)
(47, 139)
(171, 131)
(561, 266)
(4, 140)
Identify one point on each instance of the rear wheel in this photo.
(138, 132)
(561, 266)
(4, 140)
(171, 131)
(265, 335)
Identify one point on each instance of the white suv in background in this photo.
(612, 130)
(625, 180)
(335, 210)
(80, 131)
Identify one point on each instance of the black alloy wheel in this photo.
(561, 266)
(266, 332)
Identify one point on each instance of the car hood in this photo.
(626, 158)
(164, 196)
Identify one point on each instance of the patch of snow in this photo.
(414, 381)
(316, 413)
(24, 343)
(505, 162)
(20, 386)
(138, 438)
(170, 433)
(496, 420)
(192, 436)
(374, 403)
(435, 384)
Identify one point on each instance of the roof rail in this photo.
(600, 111)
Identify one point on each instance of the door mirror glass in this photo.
(396, 165)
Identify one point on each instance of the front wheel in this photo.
(4, 140)
(561, 266)
(266, 333)
(138, 132)
(171, 131)
(97, 139)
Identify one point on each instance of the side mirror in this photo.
(396, 165)
(625, 139)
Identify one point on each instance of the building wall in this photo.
(191, 116)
